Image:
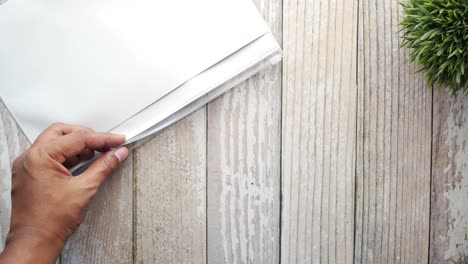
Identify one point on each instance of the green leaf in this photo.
(436, 32)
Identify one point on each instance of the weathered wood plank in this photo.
(319, 131)
(12, 144)
(393, 146)
(449, 211)
(244, 165)
(170, 194)
(106, 235)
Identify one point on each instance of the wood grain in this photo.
(170, 194)
(449, 211)
(394, 144)
(106, 235)
(352, 162)
(244, 165)
(12, 144)
(319, 124)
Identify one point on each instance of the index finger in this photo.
(74, 143)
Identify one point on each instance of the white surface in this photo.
(197, 92)
(235, 65)
(97, 63)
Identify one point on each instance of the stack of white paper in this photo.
(126, 67)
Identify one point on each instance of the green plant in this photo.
(437, 33)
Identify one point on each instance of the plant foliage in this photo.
(437, 33)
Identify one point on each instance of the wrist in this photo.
(29, 245)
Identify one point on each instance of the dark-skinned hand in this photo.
(48, 203)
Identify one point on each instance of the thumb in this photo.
(107, 163)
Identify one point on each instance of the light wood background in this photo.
(338, 155)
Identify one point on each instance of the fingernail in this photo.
(121, 154)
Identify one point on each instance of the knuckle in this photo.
(82, 135)
(29, 162)
(37, 157)
(57, 125)
(108, 164)
(79, 134)
(52, 150)
(86, 129)
(31, 157)
(18, 162)
(82, 132)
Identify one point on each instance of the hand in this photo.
(48, 203)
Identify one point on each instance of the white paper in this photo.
(226, 73)
(200, 90)
(97, 63)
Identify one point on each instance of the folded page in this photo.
(97, 63)
(222, 76)
(200, 90)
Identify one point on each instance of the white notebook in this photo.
(129, 67)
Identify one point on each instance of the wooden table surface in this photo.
(339, 155)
